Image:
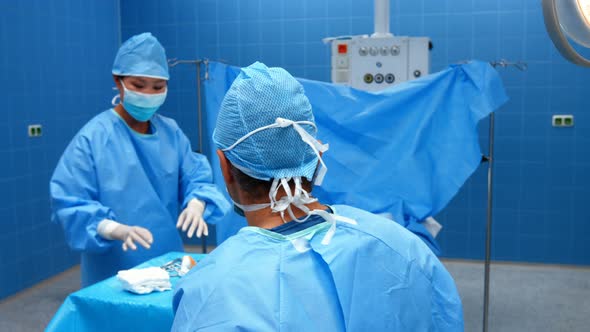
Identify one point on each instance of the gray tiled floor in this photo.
(32, 309)
(523, 298)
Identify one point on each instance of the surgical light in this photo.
(568, 18)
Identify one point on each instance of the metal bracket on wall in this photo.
(197, 62)
(503, 63)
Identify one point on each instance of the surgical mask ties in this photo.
(299, 197)
(240, 209)
(116, 98)
(141, 106)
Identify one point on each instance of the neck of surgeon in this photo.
(247, 191)
(266, 218)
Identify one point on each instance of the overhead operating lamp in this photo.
(568, 19)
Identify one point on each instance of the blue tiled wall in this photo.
(54, 71)
(542, 174)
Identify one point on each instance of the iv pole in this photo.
(490, 160)
(172, 63)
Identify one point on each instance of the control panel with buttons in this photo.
(374, 64)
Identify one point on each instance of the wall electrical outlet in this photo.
(563, 120)
(35, 130)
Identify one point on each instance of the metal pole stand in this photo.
(172, 63)
(488, 253)
(522, 66)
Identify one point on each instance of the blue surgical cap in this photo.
(141, 55)
(257, 97)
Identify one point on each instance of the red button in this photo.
(342, 48)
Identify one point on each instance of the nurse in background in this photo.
(129, 178)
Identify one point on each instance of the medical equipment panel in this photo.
(373, 64)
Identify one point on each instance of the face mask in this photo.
(142, 106)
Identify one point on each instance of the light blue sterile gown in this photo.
(110, 171)
(374, 276)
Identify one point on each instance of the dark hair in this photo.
(258, 190)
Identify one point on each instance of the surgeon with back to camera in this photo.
(302, 265)
(129, 178)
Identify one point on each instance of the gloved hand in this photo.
(192, 218)
(112, 230)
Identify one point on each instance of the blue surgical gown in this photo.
(373, 276)
(109, 171)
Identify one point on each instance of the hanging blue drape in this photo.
(404, 151)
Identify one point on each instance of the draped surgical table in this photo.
(106, 306)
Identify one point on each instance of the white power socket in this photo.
(35, 130)
(563, 120)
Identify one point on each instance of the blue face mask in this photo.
(142, 106)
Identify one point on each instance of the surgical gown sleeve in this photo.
(446, 307)
(74, 198)
(196, 181)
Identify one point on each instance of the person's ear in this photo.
(225, 168)
(117, 80)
